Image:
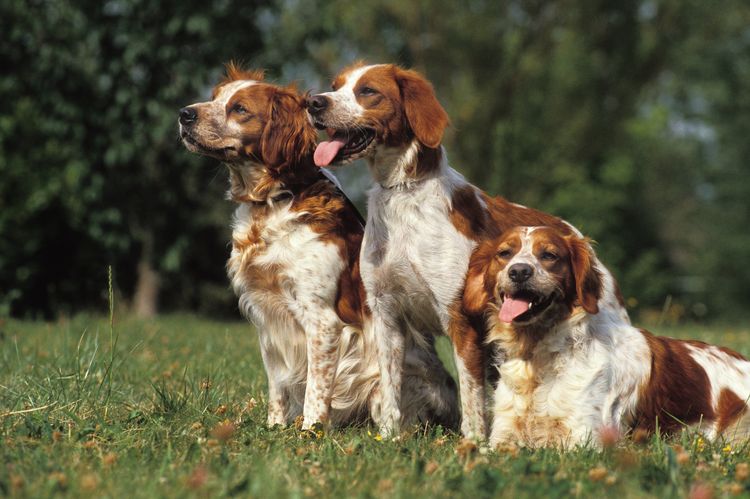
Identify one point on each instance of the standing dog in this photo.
(294, 263)
(423, 222)
(567, 374)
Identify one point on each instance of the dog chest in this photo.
(412, 249)
(281, 266)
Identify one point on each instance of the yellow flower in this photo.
(727, 449)
(700, 444)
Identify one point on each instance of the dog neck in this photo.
(255, 183)
(403, 166)
(555, 333)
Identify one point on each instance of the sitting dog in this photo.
(294, 262)
(424, 221)
(567, 373)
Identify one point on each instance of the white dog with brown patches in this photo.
(423, 222)
(294, 263)
(566, 375)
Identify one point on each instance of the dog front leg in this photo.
(322, 359)
(469, 357)
(389, 341)
(277, 404)
(504, 430)
(278, 398)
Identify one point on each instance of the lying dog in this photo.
(567, 374)
(423, 222)
(294, 263)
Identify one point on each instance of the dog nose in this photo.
(317, 104)
(520, 272)
(188, 115)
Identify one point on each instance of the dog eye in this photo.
(366, 91)
(506, 253)
(239, 109)
(549, 256)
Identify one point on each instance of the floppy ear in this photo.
(588, 282)
(425, 115)
(288, 136)
(478, 290)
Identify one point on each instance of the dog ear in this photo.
(287, 136)
(480, 279)
(425, 115)
(588, 282)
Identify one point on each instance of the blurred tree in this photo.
(708, 89)
(627, 118)
(93, 171)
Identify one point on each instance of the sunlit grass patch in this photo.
(182, 409)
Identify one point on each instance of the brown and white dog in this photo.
(567, 375)
(294, 262)
(423, 221)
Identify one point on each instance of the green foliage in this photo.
(627, 118)
(92, 168)
(186, 417)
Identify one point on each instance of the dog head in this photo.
(533, 276)
(249, 121)
(373, 108)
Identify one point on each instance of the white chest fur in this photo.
(412, 253)
(282, 273)
(579, 380)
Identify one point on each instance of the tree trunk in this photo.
(146, 296)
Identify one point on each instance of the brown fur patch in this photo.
(427, 118)
(428, 162)
(588, 281)
(732, 353)
(467, 334)
(677, 391)
(332, 215)
(729, 408)
(234, 72)
(468, 215)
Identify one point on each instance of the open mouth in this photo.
(344, 145)
(523, 306)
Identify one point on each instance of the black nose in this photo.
(317, 104)
(520, 272)
(188, 115)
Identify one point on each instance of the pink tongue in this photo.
(326, 151)
(512, 308)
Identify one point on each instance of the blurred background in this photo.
(630, 119)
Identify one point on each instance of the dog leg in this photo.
(277, 404)
(504, 430)
(322, 358)
(469, 357)
(389, 341)
(278, 397)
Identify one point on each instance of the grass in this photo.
(176, 407)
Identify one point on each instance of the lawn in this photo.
(177, 408)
